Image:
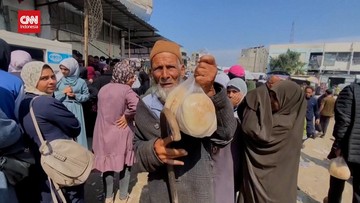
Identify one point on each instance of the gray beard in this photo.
(162, 93)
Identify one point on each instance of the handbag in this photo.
(14, 168)
(16, 165)
(65, 162)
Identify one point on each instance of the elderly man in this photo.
(191, 157)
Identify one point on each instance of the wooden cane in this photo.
(170, 127)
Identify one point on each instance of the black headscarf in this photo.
(5, 55)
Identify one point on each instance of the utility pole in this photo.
(86, 32)
(351, 58)
(292, 33)
(256, 52)
(322, 60)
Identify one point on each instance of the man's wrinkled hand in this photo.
(168, 155)
(205, 73)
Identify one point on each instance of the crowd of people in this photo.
(252, 157)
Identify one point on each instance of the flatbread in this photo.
(198, 116)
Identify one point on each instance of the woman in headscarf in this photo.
(272, 122)
(11, 86)
(114, 130)
(18, 59)
(55, 122)
(72, 91)
(227, 158)
(236, 90)
(11, 91)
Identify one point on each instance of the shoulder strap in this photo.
(35, 122)
(58, 191)
(52, 184)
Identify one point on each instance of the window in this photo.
(356, 58)
(330, 58)
(315, 60)
(343, 56)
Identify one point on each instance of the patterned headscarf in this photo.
(30, 74)
(123, 72)
(73, 66)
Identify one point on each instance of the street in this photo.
(313, 178)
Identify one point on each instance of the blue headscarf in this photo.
(73, 66)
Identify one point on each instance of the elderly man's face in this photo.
(167, 71)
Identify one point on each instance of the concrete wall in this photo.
(254, 59)
(103, 49)
(13, 6)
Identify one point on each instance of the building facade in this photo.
(254, 59)
(324, 58)
(64, 21)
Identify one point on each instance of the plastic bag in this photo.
(339, 169)
(193, 109)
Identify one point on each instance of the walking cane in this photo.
(170, 127)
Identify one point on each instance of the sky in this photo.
(224, 27)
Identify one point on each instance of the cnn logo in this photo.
(29, 21)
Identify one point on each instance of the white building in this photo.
(327, 58)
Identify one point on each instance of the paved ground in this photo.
(313, 179)
(94, 188)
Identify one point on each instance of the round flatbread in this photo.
(198, 117)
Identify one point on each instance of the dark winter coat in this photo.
(347, 123)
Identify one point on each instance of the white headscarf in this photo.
(18, 59)
(30, 74)
(238, 84)
(73, 66)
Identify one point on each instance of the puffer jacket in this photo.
(347, 123)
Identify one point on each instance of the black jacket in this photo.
(347, 123)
